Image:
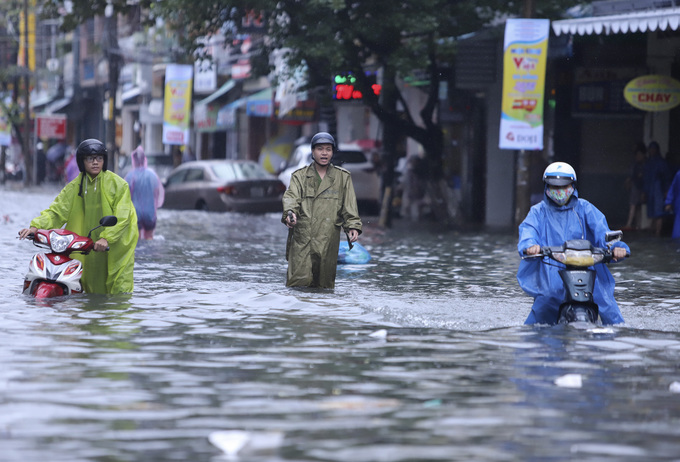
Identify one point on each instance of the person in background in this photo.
(71, 171)
(95, 193)
(560, 217)
(657, 177)
(147, 193)
(41, 161)
(672, 204)
(319, 201)
(635, 185)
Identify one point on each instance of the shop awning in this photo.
(260, 104)
(57, 105)
(41, 99)
(639, 21)
(223, 90)
(131, 94)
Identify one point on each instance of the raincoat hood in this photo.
(139, 158)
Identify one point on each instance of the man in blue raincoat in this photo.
(560, 217)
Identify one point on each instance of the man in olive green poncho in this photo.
(94, 193)
(320, 200)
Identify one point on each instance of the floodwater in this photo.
(419, 355)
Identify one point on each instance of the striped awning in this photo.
(639, 21)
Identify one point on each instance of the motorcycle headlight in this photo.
(581, 258)
(59, 243)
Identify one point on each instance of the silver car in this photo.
(223, 185)
(350, 157)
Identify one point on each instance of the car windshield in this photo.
(349, 157)
(230, 171)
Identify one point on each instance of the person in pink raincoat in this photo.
(71, 170)
(147, 193)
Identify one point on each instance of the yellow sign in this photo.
(653, 93)
(21, 57)
(177, 104)
(524, 62)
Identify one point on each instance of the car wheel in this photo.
(201, 205)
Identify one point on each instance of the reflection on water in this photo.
(211, 340)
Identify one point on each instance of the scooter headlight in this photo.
(59, 243)
(580, 258)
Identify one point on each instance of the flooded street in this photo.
(419, 355)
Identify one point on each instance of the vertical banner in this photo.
(525, 51)
(177, 104)
(21, 56)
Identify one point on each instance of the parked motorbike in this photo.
(56, 273)
(578, 256)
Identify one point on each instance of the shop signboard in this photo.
(51, 126)
(525, 50)
(653, 93)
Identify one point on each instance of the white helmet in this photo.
(559, 174)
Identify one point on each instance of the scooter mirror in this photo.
(613, 236)
(108, 220)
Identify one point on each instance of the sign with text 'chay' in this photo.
(653, 93)
(524, 62)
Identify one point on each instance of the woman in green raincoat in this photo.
(320, 200)
(94, 193)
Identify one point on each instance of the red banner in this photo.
(52, 126)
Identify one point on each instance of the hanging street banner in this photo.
(177, 104)
(653, 93)
(525, 51)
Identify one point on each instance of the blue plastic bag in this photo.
(357, 256)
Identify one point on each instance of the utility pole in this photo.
(522, 190)
(114, 71)
(26, 145)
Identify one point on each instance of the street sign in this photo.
(51, 126)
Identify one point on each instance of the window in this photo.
(194, 174)
(224, 171)
(177, 177)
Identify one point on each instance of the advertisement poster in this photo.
(525, 50)
(177, 107)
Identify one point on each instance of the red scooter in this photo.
(56, 273)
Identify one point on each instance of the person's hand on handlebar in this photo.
(23, 234)
(533, 250)
(101, 245)
(619, 253)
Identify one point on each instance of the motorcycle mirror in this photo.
(108, 220)
(613, 236)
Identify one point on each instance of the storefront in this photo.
(595, 127)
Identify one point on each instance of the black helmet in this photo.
(323, 138)
(91, 147)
